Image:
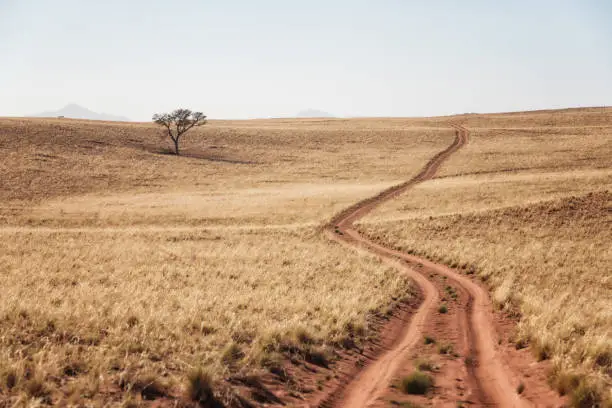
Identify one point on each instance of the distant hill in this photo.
(74, 111)
(313, 113)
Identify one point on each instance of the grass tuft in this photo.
(37, 388)
(425, 365)
(232, 354)
(445, 348)
(585, 395)
(317, 356)
(542, 351)
(564, 383)
(148, 385)
(417, 383)
(200, 387)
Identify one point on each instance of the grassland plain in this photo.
(526, 206)
(125, 269)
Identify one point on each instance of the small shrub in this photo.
(445, 348)
(200, 387)
(521, 388)
(346, 341)
(520, 344)
(303, 337)
(542, 352)
(73, 367)
(357, 329)
(132, 321)
(585, 396)
(429, 340)
(565, 383)
(443, 309)
(417, 383)
(270, 359)
(424, 365)
(317, 356)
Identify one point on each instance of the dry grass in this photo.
(164, 303)
(485, 192)
(125, 270)
(73, 173)
(129, 273)
(526, 205)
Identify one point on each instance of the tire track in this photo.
(488, 379)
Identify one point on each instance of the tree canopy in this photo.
(178, 122)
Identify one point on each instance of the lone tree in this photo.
(177, 123)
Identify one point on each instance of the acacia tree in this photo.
(178, 122)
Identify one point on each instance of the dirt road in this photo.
(482, 378)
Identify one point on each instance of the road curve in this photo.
(490, 379)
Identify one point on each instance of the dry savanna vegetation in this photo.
(527, 206)
(130, 275)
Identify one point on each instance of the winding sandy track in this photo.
(488, 380)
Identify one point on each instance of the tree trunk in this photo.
(176, 147)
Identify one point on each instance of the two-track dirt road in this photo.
(485, 378)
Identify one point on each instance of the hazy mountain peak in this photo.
(314, 113)
(75, 111)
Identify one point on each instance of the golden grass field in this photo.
(527, 205)
(122, 266)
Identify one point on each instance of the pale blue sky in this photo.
(244, 59)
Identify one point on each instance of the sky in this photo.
(269, 58)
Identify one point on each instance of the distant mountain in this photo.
(74, 111)
(313, 113)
